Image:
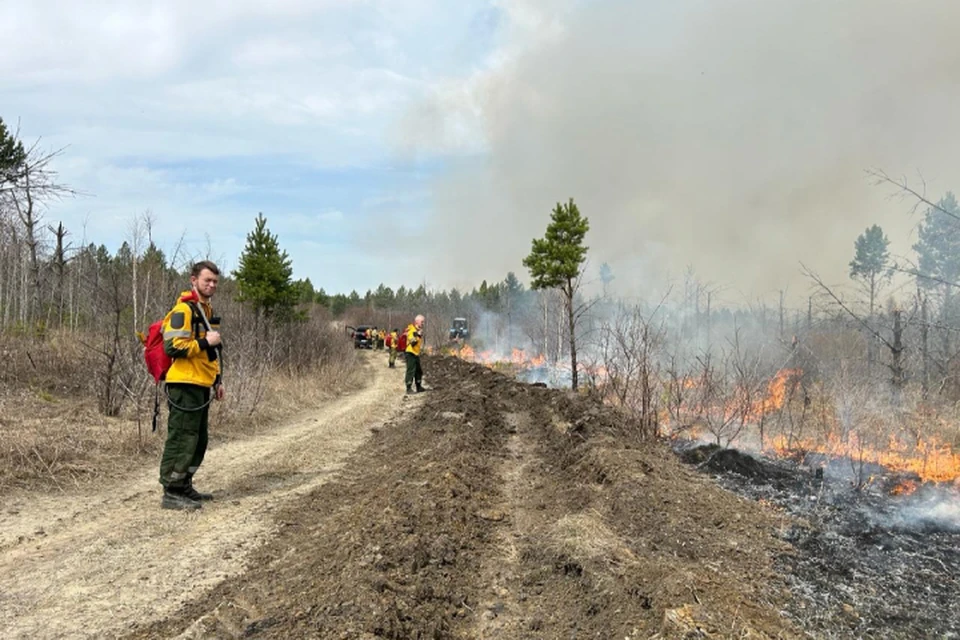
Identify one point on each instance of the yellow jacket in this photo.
(414, 340)
(194, 361)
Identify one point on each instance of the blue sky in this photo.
(206, 113)
(410, 141)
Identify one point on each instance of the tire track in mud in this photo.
(96, 563)
(503, 610)
(493, 509)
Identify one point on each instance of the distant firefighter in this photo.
(414, 376)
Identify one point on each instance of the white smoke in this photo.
(731, 136)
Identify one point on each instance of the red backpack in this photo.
(155, 356)
(402, 342)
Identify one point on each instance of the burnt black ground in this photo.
(866, 564)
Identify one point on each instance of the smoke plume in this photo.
(727, 136)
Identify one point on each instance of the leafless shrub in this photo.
(631, 350)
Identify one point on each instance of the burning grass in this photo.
(516, 359)
(795, 418)
(786, 415)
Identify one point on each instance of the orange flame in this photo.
(776, 392)
(931, 460)
(904, 488)
(518, 357)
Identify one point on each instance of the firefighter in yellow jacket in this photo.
(392, 341)
(414, 375)
(191, 338)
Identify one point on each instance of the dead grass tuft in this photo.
(584, 538)
(53, 438)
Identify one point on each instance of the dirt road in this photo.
(91, 564)
(498, 510)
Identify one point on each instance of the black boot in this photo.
(198, 496)
(410, 389)
(420, 388)
(178, 500)
(193, 494)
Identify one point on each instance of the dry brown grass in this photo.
(586, 539)
(53, 438)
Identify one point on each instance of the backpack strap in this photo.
(156, 406)
(197, 310)
(196, 320)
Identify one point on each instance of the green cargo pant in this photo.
(414, 371)
(186, 434)
(393, 356)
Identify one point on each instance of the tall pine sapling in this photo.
(556, 262)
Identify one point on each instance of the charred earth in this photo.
(874, 554)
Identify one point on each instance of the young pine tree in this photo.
(264, 275)
(871, 262)
(556, 262)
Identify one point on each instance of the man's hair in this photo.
(200, 266)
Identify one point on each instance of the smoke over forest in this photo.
(730, 137)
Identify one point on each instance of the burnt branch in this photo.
(881, 177)
(816, 278)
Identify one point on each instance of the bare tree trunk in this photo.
(546, 327)
(133, 282)
(24, 292)
(559, 330)
(74, 302)
(781, 314)
(924, 346)
(696, 315)
(60, 263)
(709, 321)
(945, 333)
(568, 293)
(30, 219)
(896, 353)
(6, 283)
(871, 346)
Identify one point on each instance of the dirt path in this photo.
(91, 564)
(498, 510)
(503, 605)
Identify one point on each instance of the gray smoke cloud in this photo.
(728, 136)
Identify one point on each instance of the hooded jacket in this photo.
(184, 340)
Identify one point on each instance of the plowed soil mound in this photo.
(496, 509)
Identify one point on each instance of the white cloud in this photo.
(330, 216)
(205, 112)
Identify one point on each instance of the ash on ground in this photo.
(868, 562)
